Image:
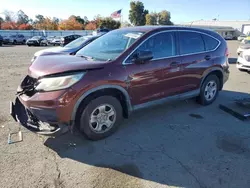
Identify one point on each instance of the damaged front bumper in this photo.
(40, 121)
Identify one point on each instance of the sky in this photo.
(181, 10)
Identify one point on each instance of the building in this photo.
(228, 29)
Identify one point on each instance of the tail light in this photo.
(226, 52)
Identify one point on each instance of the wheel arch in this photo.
(214, 71)
(104, 89)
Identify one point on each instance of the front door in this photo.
(146, 81)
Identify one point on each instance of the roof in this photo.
(161, 27)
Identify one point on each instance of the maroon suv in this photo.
(122, 71)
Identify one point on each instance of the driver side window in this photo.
(161, 45)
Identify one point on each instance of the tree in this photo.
(164, 18)
(91, 25)
(152, 19)
(9, 16)
(55, 20)
(39, 18)
(1, 21)
(46, 23)
(108, 23)
(9, 26)
(137, 13)
(22, 18)
(70, 24)
(25, 26)
(80, 20)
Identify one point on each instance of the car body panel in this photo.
(60, 63)
(242, 62)
(142, 84)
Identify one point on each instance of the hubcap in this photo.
(210, 90)
(102, 118)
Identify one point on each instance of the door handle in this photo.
(207, 57)
(175, 63)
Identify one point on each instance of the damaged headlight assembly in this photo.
(59, 82)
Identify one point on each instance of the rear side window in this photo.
(191, 42)
(210, 42)
(161, 45)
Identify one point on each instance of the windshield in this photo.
(110, 45)
(76, 43)
(36, 37)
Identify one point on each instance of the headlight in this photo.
(247, 57)
(57, 83)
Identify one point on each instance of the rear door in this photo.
(194, 61)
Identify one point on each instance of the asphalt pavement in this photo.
(179, 144)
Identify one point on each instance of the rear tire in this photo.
(209, 90)
(101, 117)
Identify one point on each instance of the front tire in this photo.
(209, 90)
(242, 70)
(101, 117)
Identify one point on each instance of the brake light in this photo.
(227, 52)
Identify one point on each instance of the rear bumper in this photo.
(38, 120)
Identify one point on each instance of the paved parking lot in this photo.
(180, 144)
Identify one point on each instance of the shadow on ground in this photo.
(150, 147)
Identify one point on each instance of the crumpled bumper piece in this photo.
(32, 122)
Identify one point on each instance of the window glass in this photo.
(161, 45)
(110, 45)
(190, 42)
(210, 42)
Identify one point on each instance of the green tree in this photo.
(151, 19)
(55, 20)
(164, 18)
(108, 23)
(22, 18)
(137, 13)
(39, 18)
(80, 20)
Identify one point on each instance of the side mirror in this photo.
(142, 56)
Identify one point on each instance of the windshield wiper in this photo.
(86, 57)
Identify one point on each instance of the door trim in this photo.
(182, 96)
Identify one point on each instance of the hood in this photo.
(246, 52)
(49, 51)
(53, 64)
(32, 40)
(245, 46)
